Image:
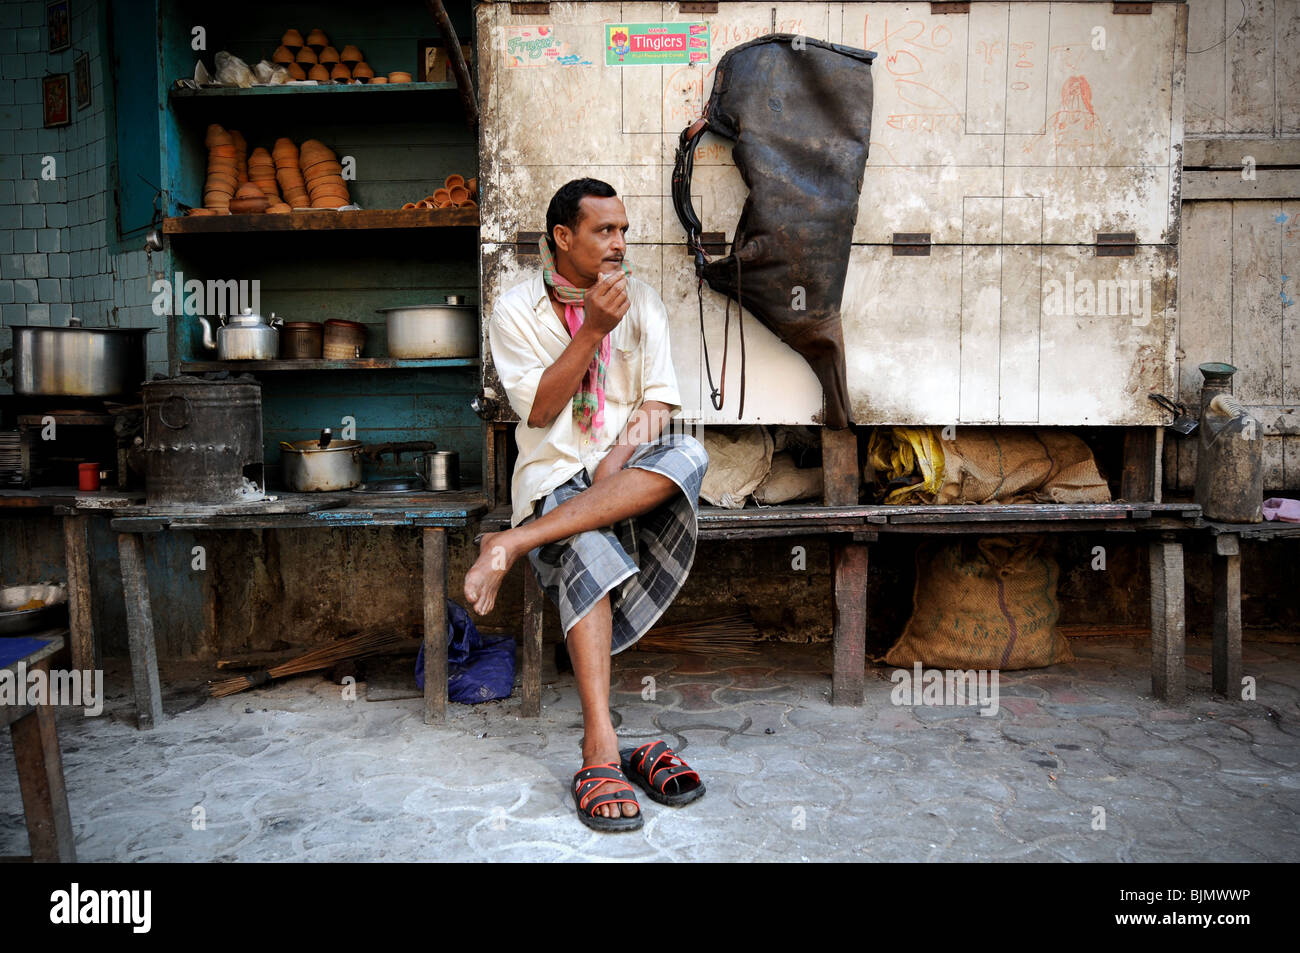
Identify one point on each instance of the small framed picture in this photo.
(432, 65)
(81, 71)
(59, 25)
(57, 106)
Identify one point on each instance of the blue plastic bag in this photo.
(478, 670)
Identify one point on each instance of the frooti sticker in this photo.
(656, 44)
(537, 45)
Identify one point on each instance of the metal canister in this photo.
(343, 340)
(203, 441)
(439, 470)
(301, 340)
(1229, 453)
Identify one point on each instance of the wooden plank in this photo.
(1227, 616)
(840, 472)
(1210, 185)
(1285, 50)
(1231, 153)
(435, 626)
(1251, 73)
(1139, 479)
(1207, 97)
(1168, 624)
(850, 613)
(40, 779)
(774, 532)
(140, 635)
(323, 220)
(80, 622)
(531, 637)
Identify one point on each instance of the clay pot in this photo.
(469, 203)
(472, 185)
(306, 56)
(215, 200)
(362, 71)
(341, 73)
(426, 204)
(327, 203)
(282, 54)
(283, 150)
(297, 72)
(328, 55)
(317, 40)
(249, 199)
(408, 206)
(292, 39)
(201, 211)
(222, 164)
(399, 76)
(241, 146)
(314, 169)
(279, 208)
(458, 195)
(319, 73)
(221, 181)
(441, 197)
(216, 135)
(351, 54)
(453, 180)
(378, 80)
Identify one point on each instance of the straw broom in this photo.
(723, 635)
(358, 646)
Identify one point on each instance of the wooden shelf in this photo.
(324, 89)
(354, 364)
(324, 220)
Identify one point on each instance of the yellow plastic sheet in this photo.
(896, 452)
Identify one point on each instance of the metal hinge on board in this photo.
(530, 9)
(950, 6)
(709, 7)
(526, 244)
(911, 243)
(713, 243)
(1138, 8)
(1116, 244)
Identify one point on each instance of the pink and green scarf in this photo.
(589, 401)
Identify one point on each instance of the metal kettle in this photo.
(243, 337)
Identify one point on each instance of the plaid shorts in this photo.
(641, 562)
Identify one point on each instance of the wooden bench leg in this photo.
(850, 623)
(40, 779)
(532, 647)
(139, 624)
(1227, 615)
(77, 560)
(435, 625)
(1168, 625)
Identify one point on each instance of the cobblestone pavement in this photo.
(294, 772)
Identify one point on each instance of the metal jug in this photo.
(1229, 453)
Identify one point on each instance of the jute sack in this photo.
(1010, 465)
(986, 603)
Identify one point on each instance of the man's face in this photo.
(598, 242)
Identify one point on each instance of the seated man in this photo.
(605, 501)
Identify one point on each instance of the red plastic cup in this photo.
(88, 477)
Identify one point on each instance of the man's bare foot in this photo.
(495, 557)
(603, 749)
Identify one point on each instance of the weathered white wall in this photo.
(1012, 134)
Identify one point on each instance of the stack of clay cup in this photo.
(314, 58)
(456, 192)
(225, 167)
(289, 175)
(262, 173)
(323, 175)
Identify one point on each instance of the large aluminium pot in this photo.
(74, 361)
(310, 468)
(436, 330)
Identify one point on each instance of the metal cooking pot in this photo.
(440, 330)
(243, 337)
(78, 362)
(310, 468)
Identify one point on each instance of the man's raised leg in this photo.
(629, 492)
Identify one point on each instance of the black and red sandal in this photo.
(662, 774)
(588, 795)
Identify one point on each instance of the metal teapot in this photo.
(243, 337)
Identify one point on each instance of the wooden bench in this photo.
(433, 514)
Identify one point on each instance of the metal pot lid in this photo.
(46, 327)
(249, 319)
(449, 306)
(389, 486)
(313, 446)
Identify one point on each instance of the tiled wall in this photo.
(56, 235)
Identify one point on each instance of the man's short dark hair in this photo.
(566, 205)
